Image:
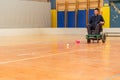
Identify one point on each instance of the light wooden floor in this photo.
(47, 57)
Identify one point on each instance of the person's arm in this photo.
(102, 21)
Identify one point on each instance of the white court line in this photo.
(26, 54)
(26, 59)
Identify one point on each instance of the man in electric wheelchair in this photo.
(95, 27)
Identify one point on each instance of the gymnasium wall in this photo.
(59, 14)
(110, 9)
(24, 14)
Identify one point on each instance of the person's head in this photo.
(96, 11)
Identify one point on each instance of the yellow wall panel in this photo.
(106, 15)
(54, 18)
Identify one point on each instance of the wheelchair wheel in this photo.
(103, 38)
(88, 41)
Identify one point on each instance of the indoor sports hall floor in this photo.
(47, 57)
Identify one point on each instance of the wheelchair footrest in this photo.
(93, 36)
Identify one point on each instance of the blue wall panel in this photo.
(71, 19)
(61, 19)
(81, 19)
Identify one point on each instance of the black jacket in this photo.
(94, 20)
